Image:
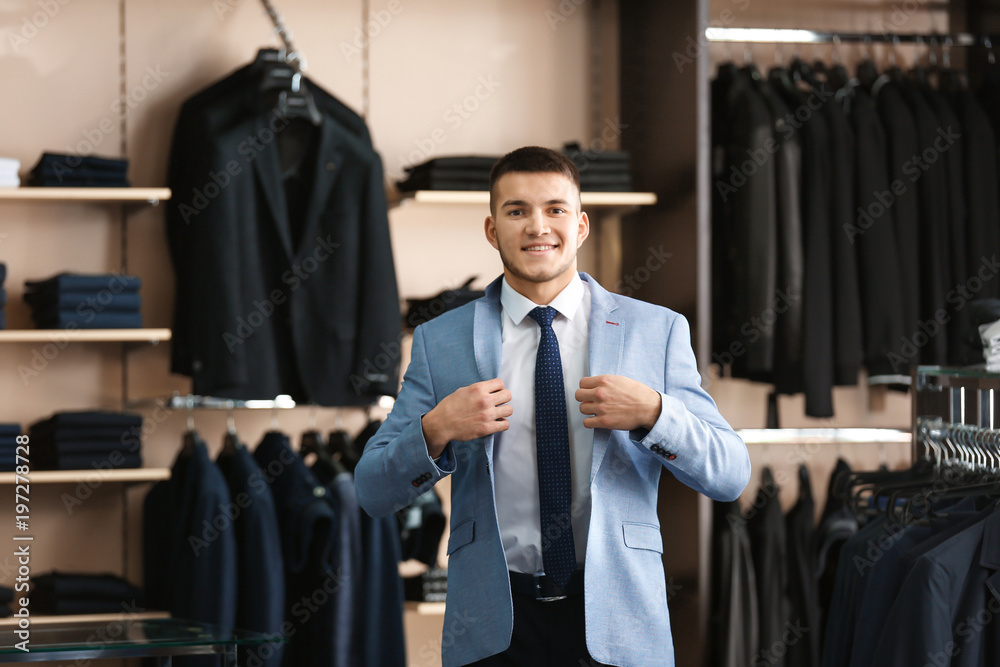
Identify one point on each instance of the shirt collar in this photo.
(567, 302)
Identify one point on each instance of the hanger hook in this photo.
(230, 417)
(992, 59)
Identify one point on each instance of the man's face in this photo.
(537, 227)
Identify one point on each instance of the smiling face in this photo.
(537, 227)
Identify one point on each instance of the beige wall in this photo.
(518, 78)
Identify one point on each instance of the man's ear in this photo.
(490, 227)
(584, 229)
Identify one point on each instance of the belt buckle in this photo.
(538, 578)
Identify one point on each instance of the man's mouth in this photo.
(540, 248)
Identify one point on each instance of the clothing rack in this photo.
(178, 401)
(963, 445)
(795, 36)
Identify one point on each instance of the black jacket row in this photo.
(852, 220)
(262, 542)
(765, 590)
(279, 237)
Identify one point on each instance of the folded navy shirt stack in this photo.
(59, 170)
(8, 446)
(85, 440)
(69, 593)
(3, 296)
(460, 172)
(85, 301)
(601, 171)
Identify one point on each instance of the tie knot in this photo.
(543, 315)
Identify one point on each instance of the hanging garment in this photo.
(306, 522)
(189, 562)
(260, 596)
(768, 542)
(817, 288)
(279, 237)
(735, 626)
(803, 580)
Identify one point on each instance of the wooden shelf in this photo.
(424, 608)
(87, 618)
(110, 195)
(588, 199)
(84, 335)
(119, 476)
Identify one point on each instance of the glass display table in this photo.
(160, 638)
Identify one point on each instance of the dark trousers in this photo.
(546, 634)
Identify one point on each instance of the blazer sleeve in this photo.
(395, 467)
(690, 437)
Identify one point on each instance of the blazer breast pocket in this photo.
(642, 536)
(461, 535)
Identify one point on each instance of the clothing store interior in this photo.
(812, 184)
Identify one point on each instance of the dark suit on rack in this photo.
(902, 143)
(752, 232)
(188, 572)
(788, 327)
(735, 627)
(260, 599)
(878, 268)
(937, 617)
(769, 546)
(306, 522)
(803, 578)
(284, 270)
(817, 288)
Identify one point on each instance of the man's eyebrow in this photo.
(514, 202)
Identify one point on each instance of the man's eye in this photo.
(558, 211)
(515, 212)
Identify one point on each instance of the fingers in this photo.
(490, 386)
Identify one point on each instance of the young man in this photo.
(554, 404)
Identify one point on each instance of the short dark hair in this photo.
(533, 160)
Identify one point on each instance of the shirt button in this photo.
(671, 457)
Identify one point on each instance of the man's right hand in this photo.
(466, 414)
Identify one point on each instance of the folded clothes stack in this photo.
(58, 170)
(78, 301)
(460, 172)
(85, 440)
(8, 446)
(3, 296)
(8, 172)
(67, 593)
(6, 597)
(601, 171)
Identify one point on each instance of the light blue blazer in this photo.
(625, 589)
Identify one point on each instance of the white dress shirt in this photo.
(515, 466)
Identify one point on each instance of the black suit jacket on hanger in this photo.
(285, 278)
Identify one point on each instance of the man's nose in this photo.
(537, 224)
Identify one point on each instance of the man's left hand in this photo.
(617, 403)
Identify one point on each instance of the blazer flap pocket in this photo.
(461, 535)
(643, 536)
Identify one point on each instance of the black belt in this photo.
(543, 588)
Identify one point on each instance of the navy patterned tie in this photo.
(555, 491)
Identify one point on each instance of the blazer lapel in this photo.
(607, 337)
(268, 172)
(487, 341)
(329, 163)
